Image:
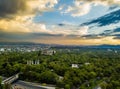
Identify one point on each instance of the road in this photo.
(29, 85)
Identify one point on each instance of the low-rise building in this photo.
(87, 63)
(48, 52)
(75, 66)
(2, 49)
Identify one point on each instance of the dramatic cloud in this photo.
(102, 2)
(16, 15)
(83, 7)
(69, 30)
(17, 21)
(12, 26)
(55, 39)
(117, 30)
(10, 8)
(78, 9)
(111, 18)
(28, 26)
(76, 37)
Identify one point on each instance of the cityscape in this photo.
(59, 44)
(41, 66)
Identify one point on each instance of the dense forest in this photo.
(95, 68)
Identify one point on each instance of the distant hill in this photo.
(61, 46)
(106, 46)
(20, 43)
(91, 46)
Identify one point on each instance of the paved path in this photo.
(29, 85)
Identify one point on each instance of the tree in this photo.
(49, 77)
(67, 86)
(7, 86)
(0, 82)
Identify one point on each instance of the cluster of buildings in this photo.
(33, 62)
(78, 65)
(111, 50)
(27, 48)
(19, 49)
(48, 52)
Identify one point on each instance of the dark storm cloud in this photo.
(9, 36)
(92, 36)
(113, 7)
(61, 24)
(116, 36)
(45, 34)
(117, 30)
(8, 8)
(106, 33)
(111, 18)
(13, 35)
(111, 32)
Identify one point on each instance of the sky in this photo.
(67, 22)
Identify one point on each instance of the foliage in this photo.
(97, 67)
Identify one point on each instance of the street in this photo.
(28, 85)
